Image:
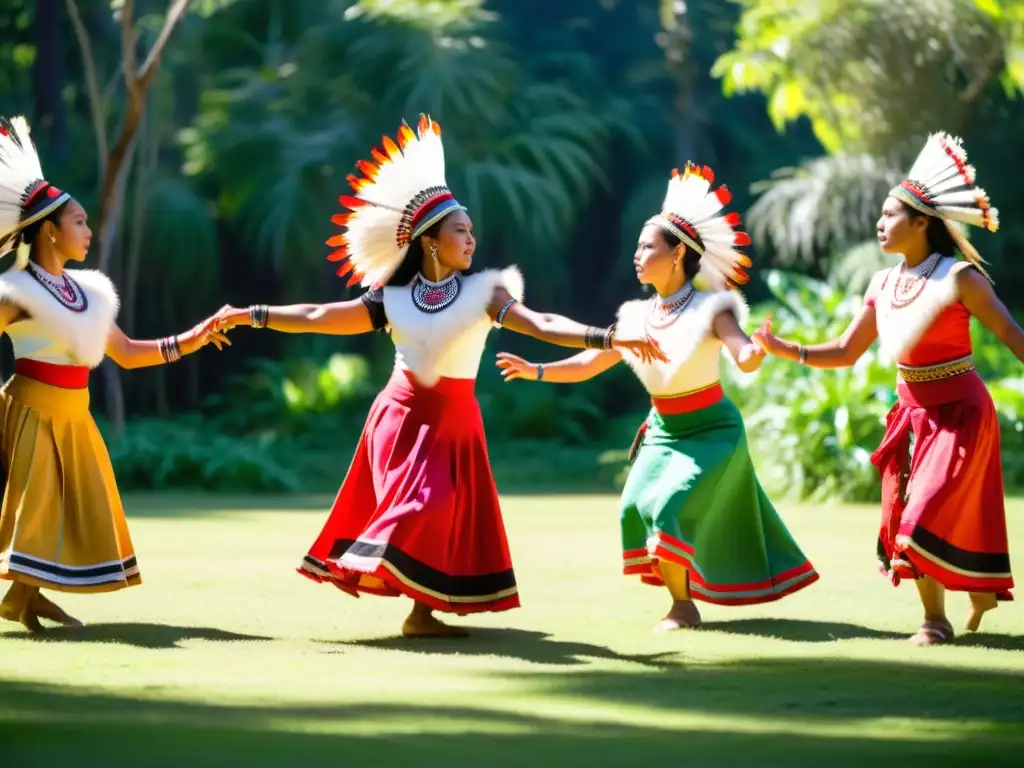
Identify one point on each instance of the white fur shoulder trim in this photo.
(84, 333)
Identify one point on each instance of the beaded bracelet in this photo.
(540, 372)
(259, 315)
(503, 310)
(170, 349)
(803, 355)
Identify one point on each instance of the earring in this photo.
(433, 251)
(53, 239)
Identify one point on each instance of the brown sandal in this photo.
(933, 633)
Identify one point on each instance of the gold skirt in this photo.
(62, 525)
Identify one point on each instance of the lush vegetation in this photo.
(560, 138)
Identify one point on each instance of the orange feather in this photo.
(391, 148)
(338, 255)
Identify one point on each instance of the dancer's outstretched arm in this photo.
(977, 296)
(341, 318)
(571, 370)
(747, 353)
(556, 329)
(843, 352)
(133, 353)
(143, 353)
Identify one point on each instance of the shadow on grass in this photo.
(803, 631)
(154, 636)
(525, 645)
(769, 712)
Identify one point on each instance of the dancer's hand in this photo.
(515, 367)
(750, 357)
(201, 335)
(229, 317)
(644, 347)
(765, 339)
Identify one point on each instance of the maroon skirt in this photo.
(418, 513)
(943, 513)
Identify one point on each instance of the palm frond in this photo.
(828, 201)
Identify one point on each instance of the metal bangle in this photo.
(803, 355)
(259, 315)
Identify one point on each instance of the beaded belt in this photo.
(914, 374)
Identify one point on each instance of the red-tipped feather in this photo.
(336, 241)
(341, 219)
(423, 126)
(352, 202)
(338, 255)
(437, 128)
(741, 239)
(744, 260)
(741, 277)
(345, 268)
(379, 157)
(708, 174)
(355, 279)
(724, 195)
(732, 219)
(355, 182)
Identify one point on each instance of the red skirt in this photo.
(418, 513)
(943, 513)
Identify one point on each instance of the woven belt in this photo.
(913, 374)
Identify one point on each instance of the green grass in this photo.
(225, 656)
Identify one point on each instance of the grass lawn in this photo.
(226, 656)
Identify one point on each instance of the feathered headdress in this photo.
(941, 184)
(399, 196)
(25, 197)
(692, 212)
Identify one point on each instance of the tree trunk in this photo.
(47, 81)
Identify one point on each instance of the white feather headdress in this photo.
(693, 213)
(400, 195)
(25, 197)
(941, 184)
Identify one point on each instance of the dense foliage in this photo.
(562, 122)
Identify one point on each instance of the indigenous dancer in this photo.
(418, 512)
(943, 518)
(62, 526)
(693, 514)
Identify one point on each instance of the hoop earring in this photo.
(433, 252)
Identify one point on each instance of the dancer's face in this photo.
(655, 260)
(899, 232)
(73, 237)
(455, 241)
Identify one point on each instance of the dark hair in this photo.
(31, 232)
(691, 260)
(936, 232)
(413, 261)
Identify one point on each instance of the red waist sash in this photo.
(63, 376)
(689, 402)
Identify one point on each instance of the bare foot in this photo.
(683, 615)
(933, 633)
(981, 603)
(424, 625)
(45, 608)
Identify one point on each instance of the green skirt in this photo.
(692, 498)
